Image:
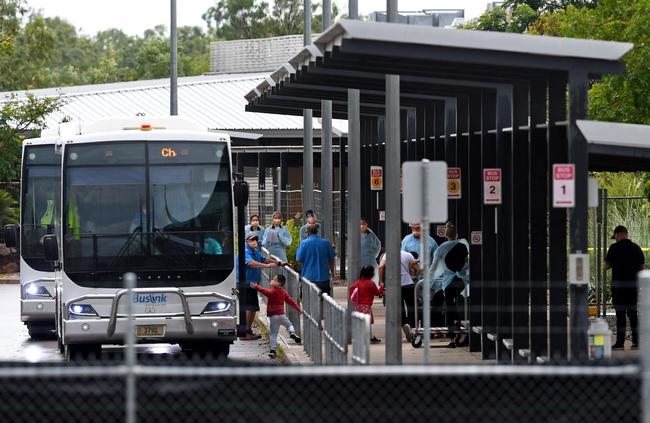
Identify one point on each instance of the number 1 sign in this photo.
(564, 183)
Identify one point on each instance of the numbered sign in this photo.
(376, 178)
(491, 186)
(453, 183)
(477, 237)
(564, 183)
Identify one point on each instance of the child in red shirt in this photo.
(366, 293)
(277, 296)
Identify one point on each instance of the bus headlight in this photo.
(36, 291)
(81, 310)
(217, 307)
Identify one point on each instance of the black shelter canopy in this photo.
(478, 100)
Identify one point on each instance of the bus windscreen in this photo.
(41, 198)
(165, 212)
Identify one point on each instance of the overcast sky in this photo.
(135, 16)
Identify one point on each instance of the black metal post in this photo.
(475, 195)
(520, 222)
(504, 229)
(241, 200)
(538, 221)
(579, 239)
(489, 253)
(558, 153)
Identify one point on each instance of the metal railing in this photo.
(360, 338)
(335, 334)
(312, 310)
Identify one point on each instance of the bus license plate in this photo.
(150, 330)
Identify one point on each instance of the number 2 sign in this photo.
(564, 183)
(491, 186)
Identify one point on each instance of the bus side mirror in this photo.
(11, 236)
(241, 193)
(51, 248)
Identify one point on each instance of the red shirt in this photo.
(276, 299)
(367, 290)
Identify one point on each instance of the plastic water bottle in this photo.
(600, 340)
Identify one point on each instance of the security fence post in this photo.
(644, 287)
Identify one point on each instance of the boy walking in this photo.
(277, 296)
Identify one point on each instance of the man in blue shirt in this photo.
(318, 260)
(411, 242)
(255, 262)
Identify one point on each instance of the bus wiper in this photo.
(125, 247)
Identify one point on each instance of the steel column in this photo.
(558, 153)
(504, 228)
(393, 218)
(392, 13)
(462, 161)
(327, 212)
(342, 207)
(450, 147)
(520, 222)
(353, 9)
(173, 83)
(354, 181)
(538, 221)
(307, 162)
(489, 215)
(475, 195)
(579, 225)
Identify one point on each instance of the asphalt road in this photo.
(16, 345)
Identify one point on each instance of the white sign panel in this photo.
(441, 230)
(477, 237)
(491, 186)
(376, 178)
(579, 269)
(382, 215)
(564, 183)
(415, 175)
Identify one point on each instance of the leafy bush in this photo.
(294, 229)
(8, 209)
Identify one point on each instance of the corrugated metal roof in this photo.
(214, 101)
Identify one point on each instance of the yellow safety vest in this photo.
(73, 218)
(48, 216)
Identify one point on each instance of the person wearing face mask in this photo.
(254, 226)
(370, 246)
(411, 242)
(277, 238)
(311, 221)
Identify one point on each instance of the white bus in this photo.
(39, 207)
(152, 196)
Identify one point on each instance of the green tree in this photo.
(550, 5)
(17, 118)
(501, 19)
(237, 19)
(622, 98)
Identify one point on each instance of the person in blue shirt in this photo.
(370, 246)
(254, 226)
(318, 260)
(311, 221)
(255, 262)
(411, 242)
(277, 238)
